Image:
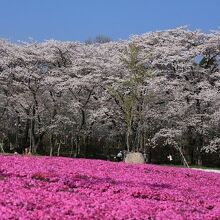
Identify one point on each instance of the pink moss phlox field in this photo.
(63, 188)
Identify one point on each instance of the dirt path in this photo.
(207, 170)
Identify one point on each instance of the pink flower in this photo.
(62, 188)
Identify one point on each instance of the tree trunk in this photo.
(33, 148)
(36, 141)
(199, 160)
(1, 147)
(25, 138)
(51, 145)
(77, 142)
(182, 156)
(72, 143)
(149, 156)
(58, 150)
(192, 156)
(128, 140)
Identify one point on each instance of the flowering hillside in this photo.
(62, 188)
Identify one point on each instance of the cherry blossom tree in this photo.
(123, 94)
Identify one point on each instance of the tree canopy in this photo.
(139, 94)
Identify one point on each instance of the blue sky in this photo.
(81, 19)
